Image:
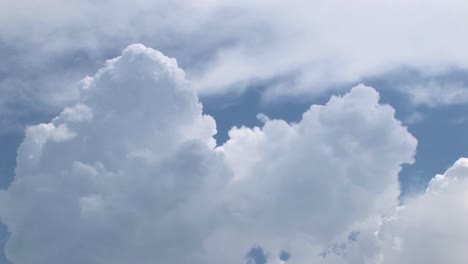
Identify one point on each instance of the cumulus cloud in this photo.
(131, 173)
(314, 183)
(431, 228)
(116, 177)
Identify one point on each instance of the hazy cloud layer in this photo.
(130, 172)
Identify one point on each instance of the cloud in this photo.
(131, 172)
(433, 93)
(314, 183)
(112, 178)
(298, 47)
(431, 228)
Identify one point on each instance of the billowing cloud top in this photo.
(112, 178)
(131, 173)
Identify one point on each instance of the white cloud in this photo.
(433, 93)
(78, 113)
(431, 228)
(309, 185)
(131, 173)
(325, 43)
(80, 199)
(296, 46)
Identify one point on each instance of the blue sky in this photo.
(234, 131)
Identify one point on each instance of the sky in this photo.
(238, 132)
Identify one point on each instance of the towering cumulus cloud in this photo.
(131, 174)
(313, 184)
(118, 177)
